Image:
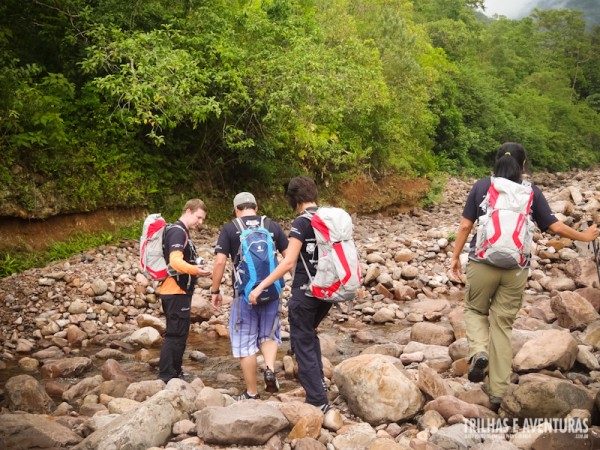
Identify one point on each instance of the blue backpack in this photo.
(257, 259)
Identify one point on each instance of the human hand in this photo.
(591, 233)
(217, 300)
(202, 271)
(456, 269)
(253, 297)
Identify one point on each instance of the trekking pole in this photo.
(596, 248)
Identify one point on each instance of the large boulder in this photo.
(148, 425)
(376, 389)
(540, 396)
(249, 422)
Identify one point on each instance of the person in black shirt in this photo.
(305, 312)
(177, 290)
(251, 326)
(494, 295)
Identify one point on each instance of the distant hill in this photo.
(590, 8)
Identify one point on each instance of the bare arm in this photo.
(462, 234)
(218, 271)
(587, 235)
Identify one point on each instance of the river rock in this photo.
(550, 349)
(376, 390)
(148, 425)
(539, 395)
(573, 311)
(25, 393)
(240, 424)
(29, 431)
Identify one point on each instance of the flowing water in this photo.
(220, 369)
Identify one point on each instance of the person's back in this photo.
(305, 312)
(494, 293)
(251, 327)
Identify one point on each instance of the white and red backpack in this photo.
(338, 274)
(505, 230)
(152, 255)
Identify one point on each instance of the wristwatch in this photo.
(218, 291)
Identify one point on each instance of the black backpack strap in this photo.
(239, 224)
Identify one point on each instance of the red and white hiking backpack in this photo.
(505, 230)
(152, 256)
(338, 274)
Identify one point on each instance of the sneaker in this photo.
(271, 383)
(495, 403)
(325, 388)
(478, 367)
(325, 407)
(246, 396)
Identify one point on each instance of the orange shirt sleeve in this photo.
(176, 262)
(170, 286)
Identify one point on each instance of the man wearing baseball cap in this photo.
(252, 327)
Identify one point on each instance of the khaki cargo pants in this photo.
(492, 300)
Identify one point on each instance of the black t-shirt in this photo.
(540, 210)
(303, 231)
(228, 242)
(177, 239)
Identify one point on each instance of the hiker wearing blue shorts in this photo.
(494, 294)
(305, 312)
(252, 327)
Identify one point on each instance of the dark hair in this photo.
(247, 205)
(510, 161)
(301, 190)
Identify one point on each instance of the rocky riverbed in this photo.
(80, 341)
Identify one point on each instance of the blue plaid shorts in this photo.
(251, 325)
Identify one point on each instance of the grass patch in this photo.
(15, 261)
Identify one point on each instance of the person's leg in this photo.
(482, 282)
(177, 313)
(248, 365)
(322, 311)
(505, 306)
(243, 332)
(303, 312)
(269, 339)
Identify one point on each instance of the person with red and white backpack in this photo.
(176, 290)
(505, 207)
(307, 306)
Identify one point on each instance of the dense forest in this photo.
(121, 102)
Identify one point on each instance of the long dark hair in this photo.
(510, 161)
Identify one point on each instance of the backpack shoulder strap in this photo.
(175, 225)
(239, 224)
(265, 222)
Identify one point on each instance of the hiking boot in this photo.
(495, 403)
(325, 407)
(478, 367)
(246, 396)
(271, 383)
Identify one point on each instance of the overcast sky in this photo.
(512, 9)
